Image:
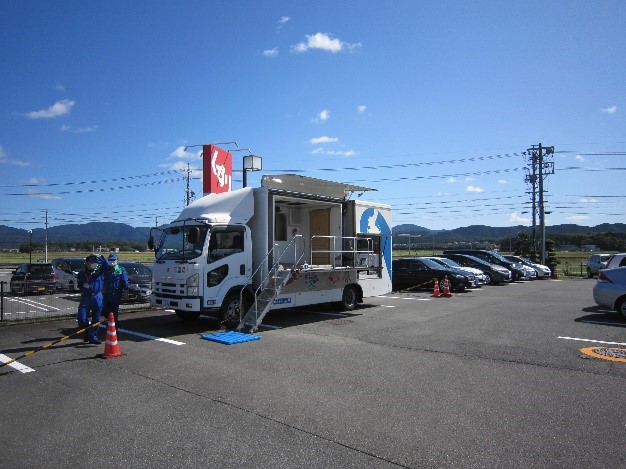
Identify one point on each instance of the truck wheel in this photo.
(589, 273)
(349, 299)
(187, 315)
(232, 311)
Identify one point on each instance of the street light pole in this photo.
(30, 247)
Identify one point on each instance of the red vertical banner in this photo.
(217, 170)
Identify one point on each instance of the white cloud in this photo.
(579, 158)
(183, 154)
(469, 179)
(578, 218)
(4, 159)
(42, 195)
(79, 130)
(59, 87)
(515, 218)
(271, 52)
(610, 110)
(325, 42)
(361, 109)
(502, 181)
(322, 117)
(584, 200)
(323, 139)
(451, 180)
(283, 20)
(321, 151)
(58, 109)
(475, 189)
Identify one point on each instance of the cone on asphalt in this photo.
(446, 287)
(436, 292)
(111, 347)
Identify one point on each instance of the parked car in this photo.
(616, 260)
(139, 282)
(542, 271)
(610, 290)
(516, 269)
(33, 278)
(419, 272)
(477, 273)
(495, 274)
(66, 270)
(596, 263)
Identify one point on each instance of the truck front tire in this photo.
(232, 310)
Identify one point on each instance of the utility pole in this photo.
(189, 194)
(540, 170)
(46, 237)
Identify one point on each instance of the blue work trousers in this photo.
(112, 304)
(90, 307)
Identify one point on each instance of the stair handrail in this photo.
(271, 271)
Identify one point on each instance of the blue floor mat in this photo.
(230, 337)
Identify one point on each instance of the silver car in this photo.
(596, 263)
(610, 290)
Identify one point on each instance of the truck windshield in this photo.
(176, 243)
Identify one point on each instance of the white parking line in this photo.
(146, 336)
(593, 341)
(17, 365)
(33, 304)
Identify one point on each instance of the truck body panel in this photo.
(308, 228)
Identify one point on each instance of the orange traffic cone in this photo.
(436, 293)
(446, 287)
(111, 348)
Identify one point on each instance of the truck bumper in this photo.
(183, 304)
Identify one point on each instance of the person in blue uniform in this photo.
(115, 282)
(91, 283)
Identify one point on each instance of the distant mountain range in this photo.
(109, 232)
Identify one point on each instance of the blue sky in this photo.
(431, 103)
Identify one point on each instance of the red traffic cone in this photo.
(446, 287)
(436, 293)
(111, 348)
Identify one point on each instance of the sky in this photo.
(432, 103)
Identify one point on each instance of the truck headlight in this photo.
(192, 285)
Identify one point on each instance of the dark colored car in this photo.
(139, 281)
(418, 272)
(493, 258)
(33, 278)
(496, 274)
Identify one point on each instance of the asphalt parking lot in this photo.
(494, 377)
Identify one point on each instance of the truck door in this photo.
(229, 258)
(320, 226)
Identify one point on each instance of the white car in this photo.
(617, 260)
(543, 271)
(610, 290)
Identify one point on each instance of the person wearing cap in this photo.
(115, 282)
(91, 282)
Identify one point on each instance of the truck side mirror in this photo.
(193, 235)
(151, 243)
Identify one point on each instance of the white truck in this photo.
(294, 241)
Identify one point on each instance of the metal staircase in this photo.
(271, 286)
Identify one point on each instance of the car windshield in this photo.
(40, 269)
(430, 263)
(479, 261)
(176, 243)
(138, 270)
(76, 265)
(447, 262)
